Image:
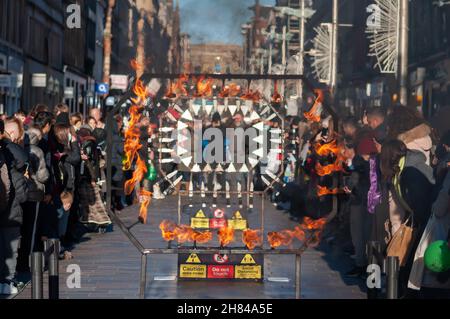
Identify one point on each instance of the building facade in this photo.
(216, 58)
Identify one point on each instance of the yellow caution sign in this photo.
(247, 272)
(237, 215)
(200, 223)
(248, 259)
(200, 214)
(193, 271)
(193, 259)
(238, 224)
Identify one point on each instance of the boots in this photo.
(157, 192)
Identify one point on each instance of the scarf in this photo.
(374, 195)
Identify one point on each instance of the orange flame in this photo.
(146, 198)
(204, 87)
(329, 169)
(226, 236)
(230, 90)
(183, 233)
(251, 95)
(327, 149)
(323, 191)
(276, 97)
(132, 146)
(252, 238)
(315, 112)
(317, 227)
(178, 88)
(202, 237)
(168, 230)
(285, 237)
(282, 238)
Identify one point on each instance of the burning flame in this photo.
(202, 237)
(285, 237)
(183, 233)
(251, 95)
(282, 238)
(323, 191)
(316, 110)
(168, 230)
(230, 90)
(329, 169)
(178, 88)
(252, 238)
(276, 97)
(204, 87)
(226, 236)
(132, 145)
(146, 198)
(327, 149)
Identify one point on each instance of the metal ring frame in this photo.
(160, 251)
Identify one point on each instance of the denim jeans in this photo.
(9, 246)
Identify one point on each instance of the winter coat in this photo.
(15, 159)
(359, 181)
(417, 186)
(437, 229)
(117, 152)
(38, 170)
(66, 166)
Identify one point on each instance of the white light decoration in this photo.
(383, 29)
(322, 53)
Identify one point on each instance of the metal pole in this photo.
(392, 271)
(37, 279)
(143, 281)
(298, 275)
(109, 140)
(283, 61)
(334, 47)
(403, 52)
(271, 38)
(372, 250)
(53, 270)
(301, 63)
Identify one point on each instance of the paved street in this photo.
(110, 265)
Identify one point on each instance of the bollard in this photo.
(53, 270)
(392, 272)
(298, 276)
(37, 279)
(373, 249)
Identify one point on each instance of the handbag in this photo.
(401, 242)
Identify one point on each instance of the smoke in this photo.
(220, 21)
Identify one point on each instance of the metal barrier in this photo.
(389, 265)
(38, 260)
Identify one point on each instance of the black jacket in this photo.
(359, 181)
(15, 158)
(417, 187)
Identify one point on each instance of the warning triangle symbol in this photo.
(248, 259)
(200, 214)
(193, 259)
(237, 215)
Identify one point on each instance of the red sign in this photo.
(216, 223)
(219, 213)
(221, 271)
(220, 259)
